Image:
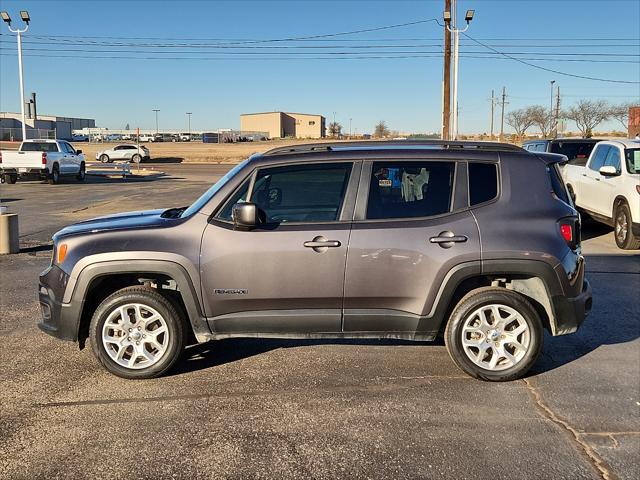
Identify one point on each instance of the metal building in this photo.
(284, 124)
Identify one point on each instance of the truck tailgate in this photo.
(15, 159)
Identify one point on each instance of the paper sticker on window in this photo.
(384, 182)
(636, 160)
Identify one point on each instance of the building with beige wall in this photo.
(284, 124)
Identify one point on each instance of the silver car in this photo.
(128, 152)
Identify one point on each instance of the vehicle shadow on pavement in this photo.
(615, 280)
(220, 352)
(167, 160)
(593, 229)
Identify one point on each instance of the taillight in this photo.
(570, 231)
(44, 158)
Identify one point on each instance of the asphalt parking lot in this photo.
(306, 409)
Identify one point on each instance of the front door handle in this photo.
(321, 244)
(448, 239)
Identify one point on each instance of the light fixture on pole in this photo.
(449, 18)
(24, 15)
(189, 115)
(156, 110)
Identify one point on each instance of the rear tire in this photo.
(10, 178)
(105, 158)
(54, 178)
(122, 333)
(494, 334)
(82, 173)
(622, 222)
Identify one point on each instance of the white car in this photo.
(127, 152)
(607, 188)
(147, 138)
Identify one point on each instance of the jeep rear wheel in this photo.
(137, 333)
(494, 334)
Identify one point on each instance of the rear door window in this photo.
(483, 182)
(576, 152)
(410, 189)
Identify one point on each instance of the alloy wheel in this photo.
(621, 227)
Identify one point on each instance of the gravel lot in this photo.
(307, 409)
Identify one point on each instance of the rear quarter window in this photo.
(483, 182)
(557, 184)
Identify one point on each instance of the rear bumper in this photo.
(24, 170)
(570, 312)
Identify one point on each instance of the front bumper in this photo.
(58, 319)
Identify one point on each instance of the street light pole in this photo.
(189, 115)
(350, 129)
(156, 110)
(26, 19)
(450, 17)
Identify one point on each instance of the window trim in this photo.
(362, 202)
(346, 209)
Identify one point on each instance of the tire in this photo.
(525, 320)
(136, 158)
(54, 178)
(105, 158)
(10, 178)
(82, 174)
(151, 303)
(622, 233)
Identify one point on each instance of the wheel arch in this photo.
(97, 281)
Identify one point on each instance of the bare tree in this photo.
(541, 118)
(520, 120)
(381, 130)
(620, 113)
(587, 114)
(335, 129)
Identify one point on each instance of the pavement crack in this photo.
(596, 461)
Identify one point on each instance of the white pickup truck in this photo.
(46, 159)
(607, 188)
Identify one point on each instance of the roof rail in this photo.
(445, 144)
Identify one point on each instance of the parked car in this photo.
(607, 188)
(146, 138)
(348, 240)
(127, 136)
(577, 150)
(185, 137)
(113, 137)
(129, 152)
(79, 138)
(46, 159)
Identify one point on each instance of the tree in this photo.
(381, 130)
(126, 127)
(621, 113)
(520, 120)
(335, 129)
(541, 118)
(587, 114)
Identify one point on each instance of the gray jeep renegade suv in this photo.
(406, 240)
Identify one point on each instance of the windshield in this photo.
(208, 195)
(576, 152)
(632, 156)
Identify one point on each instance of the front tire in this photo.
(622, 222)
(136, 158)
(82, 173)
(494, 334)
(104, 158)
(137, 333)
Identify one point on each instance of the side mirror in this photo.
(78, 152)
(245, 215)
(608, 171)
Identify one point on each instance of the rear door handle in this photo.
(447, 239)
(321, 244)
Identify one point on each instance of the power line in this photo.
(549, 69)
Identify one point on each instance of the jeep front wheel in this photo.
(494, 334)
(137, 333)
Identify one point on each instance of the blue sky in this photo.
(405, 92)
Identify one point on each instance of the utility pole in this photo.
(551, 109)
(493, 106)
(557, 115)
(26, 19)
(504, 102)
(350, 129)
(446, 78)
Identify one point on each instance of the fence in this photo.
(15, 134)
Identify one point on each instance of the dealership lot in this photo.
(276, 408)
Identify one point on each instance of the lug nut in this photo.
(501, 336)
(139, 328)
(129, 338)
(497, 344)
(137, 343)
(130, 329)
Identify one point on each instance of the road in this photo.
(307, 409)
